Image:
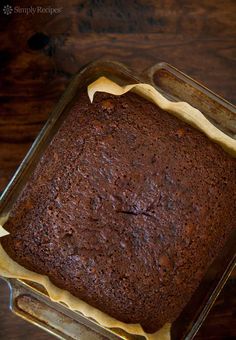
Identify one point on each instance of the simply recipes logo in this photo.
(8, 10)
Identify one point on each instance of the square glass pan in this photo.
(30, 301)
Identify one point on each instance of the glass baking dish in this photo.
(29, 300)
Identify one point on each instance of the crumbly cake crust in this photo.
(126, 209)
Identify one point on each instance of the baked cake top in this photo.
(126, 209)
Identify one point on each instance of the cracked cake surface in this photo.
(126, 209)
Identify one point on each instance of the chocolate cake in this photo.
(126, 209)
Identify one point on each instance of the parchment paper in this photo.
(10, 269)
(3, 232)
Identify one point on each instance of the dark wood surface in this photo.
(40, 52)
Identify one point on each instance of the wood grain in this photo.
(39, 53)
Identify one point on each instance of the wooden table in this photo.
(39, 53)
